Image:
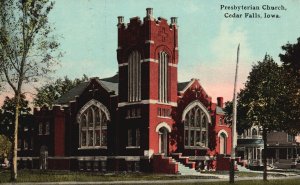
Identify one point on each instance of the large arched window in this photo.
(134, 77)
(93, 119)
(195, 128)
(163, 77)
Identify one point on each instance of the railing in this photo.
(250, 137)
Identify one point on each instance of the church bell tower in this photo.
(147, 56)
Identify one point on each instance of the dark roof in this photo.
(182, 85)
(71, 94)
(110, 86)
(110, 83)
(113, 79)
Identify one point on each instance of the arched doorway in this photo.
(163, 130)
(163, 140)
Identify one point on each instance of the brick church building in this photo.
(141, 119)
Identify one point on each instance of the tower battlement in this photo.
(149, 17)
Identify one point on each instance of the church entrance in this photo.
(163, 140)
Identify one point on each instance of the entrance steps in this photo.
(184, 170)
(170, 165)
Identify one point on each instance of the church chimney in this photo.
(220, 102)
(149, 13)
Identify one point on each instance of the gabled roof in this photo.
(113, 79)
(182, 85)
(110, 84)
(71, 94)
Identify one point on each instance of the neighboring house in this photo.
(283, 150)
(132, 120)
(250, 146)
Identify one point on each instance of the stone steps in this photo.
(183, 170)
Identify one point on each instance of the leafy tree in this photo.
(291, 57)
(5, 146)
(7, 115)
(291, 62)
(28, 49)
(269, 100)
(242, 123)
(50, 92)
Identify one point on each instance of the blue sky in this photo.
(207, 40)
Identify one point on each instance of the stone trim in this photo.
(149, 41)
(151, 101)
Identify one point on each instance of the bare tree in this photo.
(28, 50)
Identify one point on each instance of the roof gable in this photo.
(194, 83)
(109, 84)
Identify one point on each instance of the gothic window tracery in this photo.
(195, 128)
(93, 127)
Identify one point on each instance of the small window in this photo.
(162, 112)
(133, 137)
(31, 143)
(254, 132)
(25, 145)
(220, 121)
(47, 129)
(40, 128)
(129, 137)
(290, 138)
(133, 113)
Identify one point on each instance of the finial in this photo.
(173, 20)
(120, 19)
(149, 12)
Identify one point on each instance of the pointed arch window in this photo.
(223, 143)
(93, 126)
(163, 77)
(254, 132)
(134, 77)
(195, 128)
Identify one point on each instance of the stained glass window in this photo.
(93, 127)
(195, 126)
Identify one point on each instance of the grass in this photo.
(56, 176)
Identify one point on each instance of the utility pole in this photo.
(232, 157)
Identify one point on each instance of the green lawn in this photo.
(55, 176)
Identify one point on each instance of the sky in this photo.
(207, 40)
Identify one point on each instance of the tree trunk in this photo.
(14, 168)
(265, 175)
